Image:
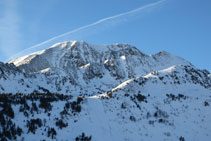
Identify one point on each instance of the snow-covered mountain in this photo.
(79, 91)
(71, 66)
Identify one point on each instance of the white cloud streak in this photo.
(108, 19)
(9, 28)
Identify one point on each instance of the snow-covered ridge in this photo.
(172, 77)
(64, 55)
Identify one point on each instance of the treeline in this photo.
(18, 98)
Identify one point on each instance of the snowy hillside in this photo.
(79, 91)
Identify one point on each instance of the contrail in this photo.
(93, 24)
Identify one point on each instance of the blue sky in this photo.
(181, 27)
